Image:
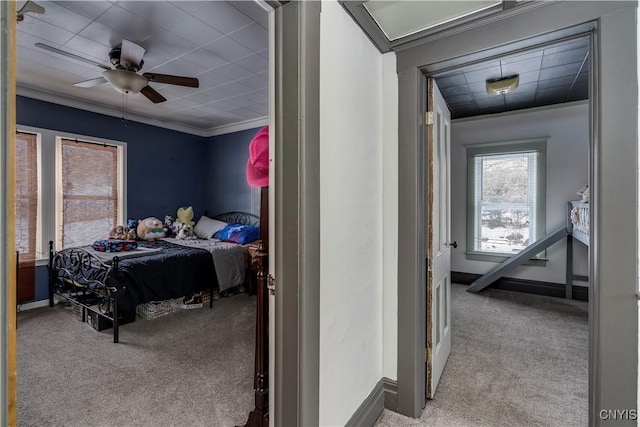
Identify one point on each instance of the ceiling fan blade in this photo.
(91, 83)
(152, 95)
(131, 55)
(172, 80)
(71, 55)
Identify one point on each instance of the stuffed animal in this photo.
(118, 232)
(131, 235)
(185, 215)
(185, 232)
(168, 226)
(150, 228)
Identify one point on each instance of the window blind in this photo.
(89, 192)
(26, 208)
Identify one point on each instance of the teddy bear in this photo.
(185, 215)
(118, 232)
(169, 230)
(150, 229)
(185, 232)
(131, 235)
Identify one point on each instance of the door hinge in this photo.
(429, 117)
(427, 355)
(271, 284)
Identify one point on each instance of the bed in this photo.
(115, 283)
(578, 229)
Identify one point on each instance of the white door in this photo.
(438, 239)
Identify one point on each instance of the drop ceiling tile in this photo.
(484, 74)
(222, 16)
(128, 25)
(561, 71)
(465, 105)
(154, 57)
(205, 58)
(460, 98)
(90, 9)
(575, 44)
(255, 82)
(252, 36)
(189, 6)
(490, 102)
(162, 13)
(455, 90)
(482, 94)
(520, 105)
(481, 66)
(180, 67)
(233, 89)
(254, 63)
(521, 67)
(521, 57)
(58, 62)
(566, 81)
(232, 72)
(228, 49)
(194, 30)
(550, 96)
(102, 34)
(264, 53)
(170, 43)
(211, 78)
(565, 57)
(531, 77)
(255, 97)
(254, 11)
(27, 40)
(62, 17)
(451, 80)
(84, 47)
(52, 34)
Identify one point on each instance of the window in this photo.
(88, 192)
(70, 189)
(26, 194)
(506, 197)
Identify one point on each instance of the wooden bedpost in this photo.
(259, 417)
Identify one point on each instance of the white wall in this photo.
(567, 171)
(351, 327)
(390, 216)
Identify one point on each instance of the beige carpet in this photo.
(191, 368)
(516, 360)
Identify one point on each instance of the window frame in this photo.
(38, 135)
(498, 148)
(49, 156)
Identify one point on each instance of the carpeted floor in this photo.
(191, 368)
(516, 360)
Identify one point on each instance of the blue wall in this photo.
(227, 188)
(165, 168)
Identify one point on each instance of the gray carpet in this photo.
(191, 368)
(516, 360)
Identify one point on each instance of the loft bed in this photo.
(578, 229)
(111, 284)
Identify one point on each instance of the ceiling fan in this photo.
(127, 60)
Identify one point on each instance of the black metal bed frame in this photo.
(82, 276)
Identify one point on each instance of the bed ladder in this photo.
(511, 263)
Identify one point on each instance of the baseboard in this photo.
(370, 409)
(580, 293)
(33, 304)
(390, 389)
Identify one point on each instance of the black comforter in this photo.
(172, 272)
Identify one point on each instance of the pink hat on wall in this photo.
(258, 164)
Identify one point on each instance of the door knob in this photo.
(454, 244)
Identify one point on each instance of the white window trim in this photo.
(48, 177)
(506, 147)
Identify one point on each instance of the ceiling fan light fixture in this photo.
(502, 86)
(125, 81)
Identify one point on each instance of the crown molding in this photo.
(73, 102)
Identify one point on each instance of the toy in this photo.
(118, 232)
(185, 232)
(185, 215)
(169, 230)
(150, 228)
(131, 235)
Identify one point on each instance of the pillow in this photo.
(207, 227)
(238, 233)
(150, 228)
